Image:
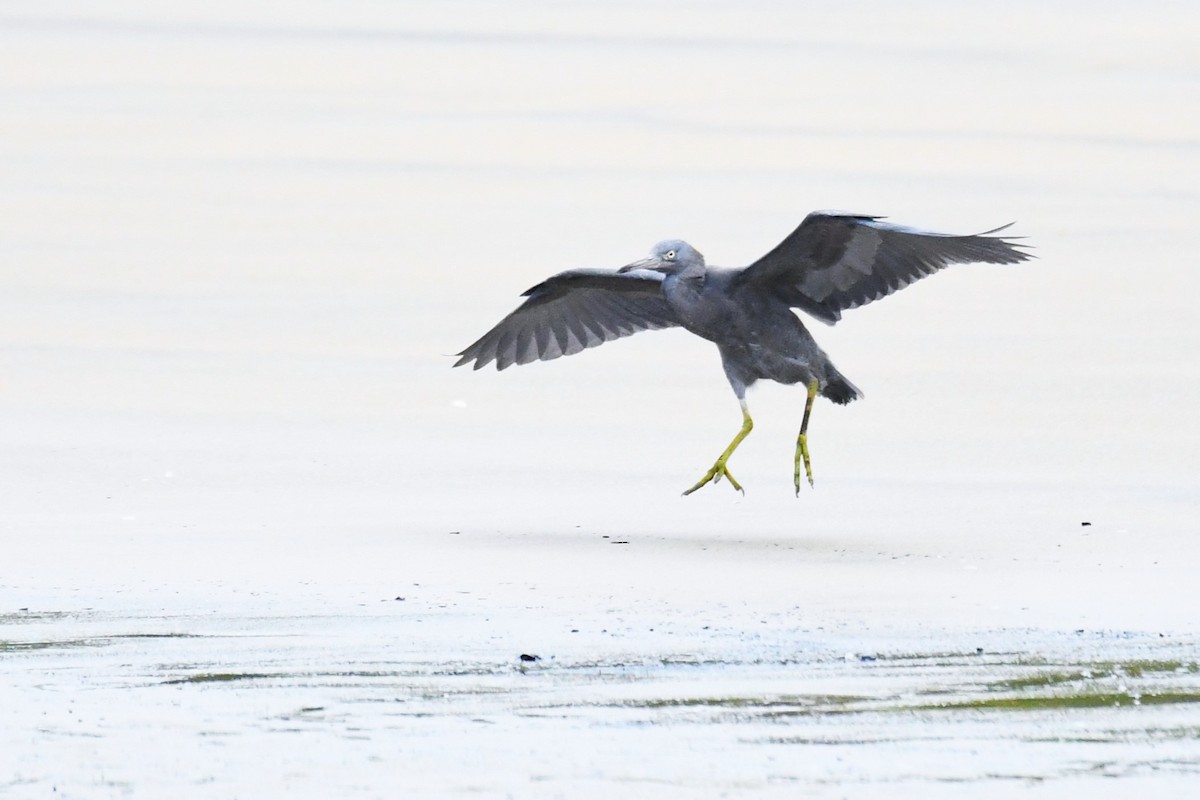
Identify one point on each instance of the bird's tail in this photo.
(838, 389)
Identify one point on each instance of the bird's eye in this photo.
(670, 256)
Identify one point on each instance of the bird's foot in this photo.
(802, 455)
(714, 475)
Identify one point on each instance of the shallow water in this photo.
(426, 696)
(240, 245)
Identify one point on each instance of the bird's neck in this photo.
(685, 287)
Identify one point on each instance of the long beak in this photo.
(650, 262)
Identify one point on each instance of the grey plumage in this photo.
(572, 311)
(831, 262)
(834, 262)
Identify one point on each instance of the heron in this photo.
(832, 262)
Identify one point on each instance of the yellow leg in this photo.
(802, 439)
(719, 469)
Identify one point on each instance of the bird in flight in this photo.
(832, 262)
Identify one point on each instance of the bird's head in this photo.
(672, 257)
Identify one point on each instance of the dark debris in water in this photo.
(221, 677)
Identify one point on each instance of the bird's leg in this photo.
(802, 439)
(719, 468)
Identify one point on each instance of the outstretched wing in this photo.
(835, 261)
(570, 312)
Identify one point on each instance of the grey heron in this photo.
(832, 262)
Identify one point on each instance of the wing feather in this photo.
(833, 261)
(570, 312)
